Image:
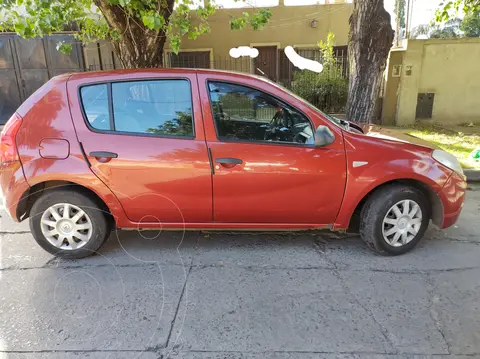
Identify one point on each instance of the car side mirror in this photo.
(323, 136)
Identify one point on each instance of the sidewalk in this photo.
(472, 175)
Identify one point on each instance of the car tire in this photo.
(390, 210)
(82, 236)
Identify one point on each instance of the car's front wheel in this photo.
(394, 219)
(68, 223)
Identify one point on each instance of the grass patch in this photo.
(458, 140)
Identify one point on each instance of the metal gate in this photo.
(25, 65)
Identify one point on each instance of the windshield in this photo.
(332, 119)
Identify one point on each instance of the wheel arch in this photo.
(436, 206)
(34, 192)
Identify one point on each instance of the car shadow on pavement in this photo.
(308, 249)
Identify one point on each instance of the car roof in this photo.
(91, 75)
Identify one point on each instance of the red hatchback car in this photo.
(201, 149)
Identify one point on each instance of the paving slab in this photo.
(299, 355)
(10, 226)
(121, 248)
(130, 247)
(91, 308)
(276, 355)
(240, 309)
(429, 255)
(81, 355)
(456, 304)
(400, 303)
(467, 227)
(19, 251)
(267, 250)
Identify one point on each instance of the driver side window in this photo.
(246, 114)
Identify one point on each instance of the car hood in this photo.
(393, 135)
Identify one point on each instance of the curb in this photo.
(472, 175)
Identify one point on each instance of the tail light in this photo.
(8, 147)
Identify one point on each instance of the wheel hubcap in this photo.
(402, 223)
(66, 226)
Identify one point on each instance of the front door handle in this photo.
(229, 161)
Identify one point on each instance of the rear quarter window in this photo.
(95, 104)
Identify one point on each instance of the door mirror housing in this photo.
(323, 136)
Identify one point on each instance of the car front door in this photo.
(266, 168)
(144, 139)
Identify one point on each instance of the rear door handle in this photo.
(103, 154)
(229, 161)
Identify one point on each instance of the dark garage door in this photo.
(25, 65)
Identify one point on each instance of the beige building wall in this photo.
(448, 68)
(289, 25)
(391, 88)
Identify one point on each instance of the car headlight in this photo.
(448, 160)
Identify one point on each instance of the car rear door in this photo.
(144, 138)
(266, 169)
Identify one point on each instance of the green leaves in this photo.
(451, 8)
(175, 43)
(30, 18)
(64, 47)
(153, 21)
(19, 27)
(140, 25)
(257, 20)
(238, 23)
(149, 21)
(471, 24)
(326, 48)
(203, 12)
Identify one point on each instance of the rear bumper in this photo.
(453, 197)
(13, 185)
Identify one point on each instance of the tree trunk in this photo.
(139, 53)
(137, 46)
(370, 40)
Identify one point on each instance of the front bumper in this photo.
(453, 197)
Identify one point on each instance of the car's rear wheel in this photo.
(394, 219)
(68, 223)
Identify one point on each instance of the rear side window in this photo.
(155, 107)
(95, 105)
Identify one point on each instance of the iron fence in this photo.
(25, 65)
(327, 90)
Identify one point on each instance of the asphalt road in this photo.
(195, 295)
